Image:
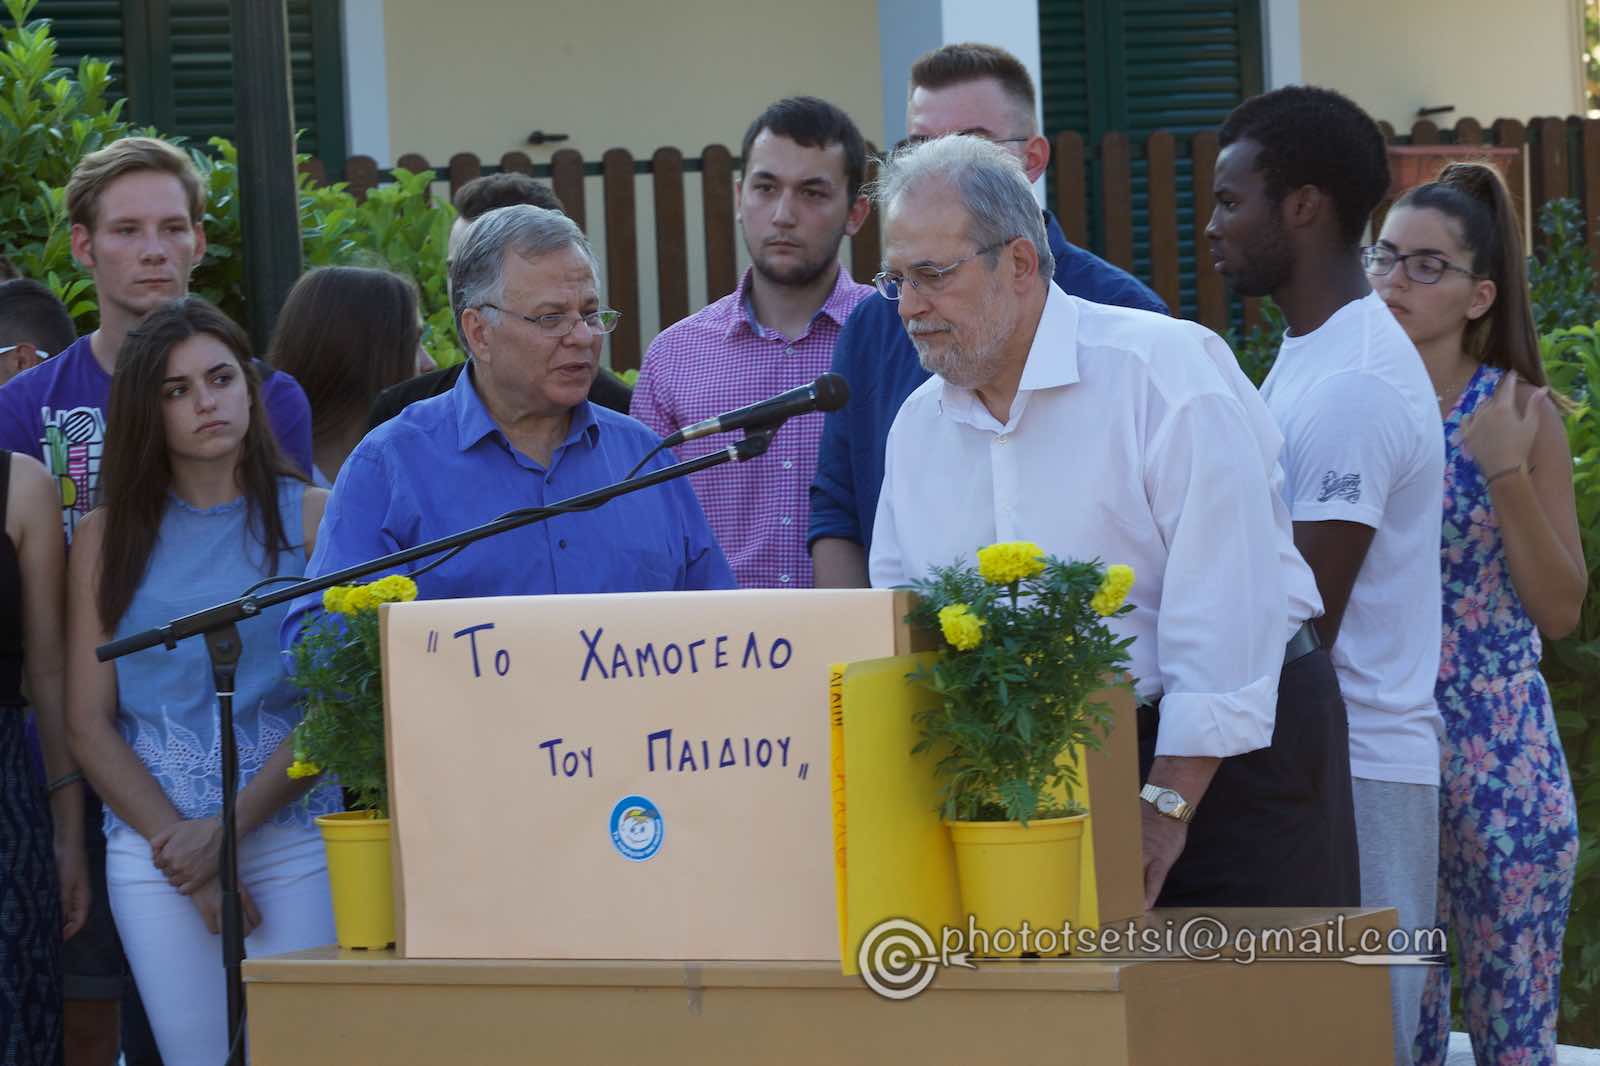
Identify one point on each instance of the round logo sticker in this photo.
(636, 828)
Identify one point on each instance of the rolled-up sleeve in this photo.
(290, 414)
(1220, 630)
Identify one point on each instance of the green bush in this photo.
(1572, 667)
(398, 227)
(1563, 283)
(50, 118)
(1257, 349)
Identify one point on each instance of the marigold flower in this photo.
(359, 599)
(300, 768)
(1113, 589)
(1010, 561)
(333, 599)
(396, 588)
(962, 628)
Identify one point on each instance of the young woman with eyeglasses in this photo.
(197, 505)
(1450, 265)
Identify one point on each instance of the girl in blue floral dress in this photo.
(1450, 264)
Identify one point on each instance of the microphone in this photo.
(828, 393)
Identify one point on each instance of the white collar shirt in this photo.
(1133, 438)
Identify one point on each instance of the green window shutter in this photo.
(1067, 59)
(197, 51)
(174, 60)
(88, 28)
(1138, 66)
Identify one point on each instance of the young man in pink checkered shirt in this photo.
(799, 198)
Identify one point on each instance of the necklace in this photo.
(1447, 397)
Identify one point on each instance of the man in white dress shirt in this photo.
(1103, 432)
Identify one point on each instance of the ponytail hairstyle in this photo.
(136, 470)
(1475, 197)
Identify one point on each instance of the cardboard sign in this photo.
(620, 776)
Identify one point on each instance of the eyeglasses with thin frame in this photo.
(559, 323)
(1424, 268)
(927, 278)
(912, 140)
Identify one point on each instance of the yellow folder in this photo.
(892, 854)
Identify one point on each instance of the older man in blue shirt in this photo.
(517, 431)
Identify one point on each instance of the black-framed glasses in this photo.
(927, 278)
(1424, 268)
(914, 139)
(559, 323)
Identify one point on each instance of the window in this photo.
(1138, 66)
(173, 60)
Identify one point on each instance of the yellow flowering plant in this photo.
(1027, 644)
(337, 666)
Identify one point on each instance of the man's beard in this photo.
(968, 366)
(800, 274)
(1267, 268)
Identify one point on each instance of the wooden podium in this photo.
(589, 790)
(328, 1006)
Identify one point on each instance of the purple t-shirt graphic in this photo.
(56, 412)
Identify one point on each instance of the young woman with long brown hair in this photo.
(197, 505)
(346, 334)
(1450, 265)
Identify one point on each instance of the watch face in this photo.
(1168, 801)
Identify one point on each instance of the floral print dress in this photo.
(1508, 832)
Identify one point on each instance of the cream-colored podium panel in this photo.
(619, 776)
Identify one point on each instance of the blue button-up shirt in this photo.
(443, 466)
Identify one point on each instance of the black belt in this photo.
(1303, 643)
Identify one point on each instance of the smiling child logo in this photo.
(636, 828)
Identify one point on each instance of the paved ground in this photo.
(1461, 1053)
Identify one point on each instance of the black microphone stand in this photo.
(219, 626)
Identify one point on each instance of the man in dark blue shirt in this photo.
(960, 88)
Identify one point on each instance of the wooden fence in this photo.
(1562, 155)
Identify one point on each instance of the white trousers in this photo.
(177, 962)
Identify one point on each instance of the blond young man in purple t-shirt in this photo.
(800, 196)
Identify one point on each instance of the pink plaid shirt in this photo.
(720, 359)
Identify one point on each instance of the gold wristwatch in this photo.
(1167, 802)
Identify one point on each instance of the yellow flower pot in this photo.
(360, 876)
(1010, 874)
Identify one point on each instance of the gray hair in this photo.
(478, 272)
(992, 185)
